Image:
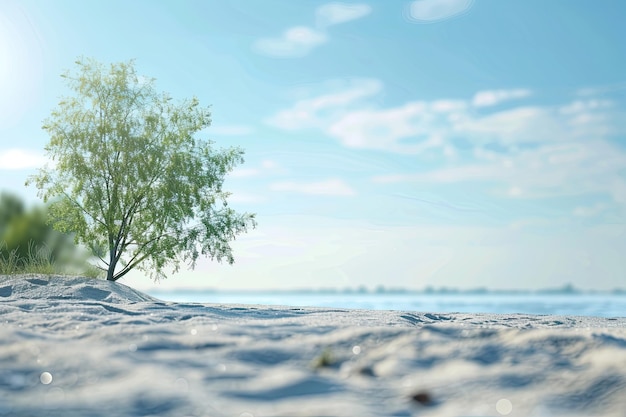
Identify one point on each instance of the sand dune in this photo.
(81, 347)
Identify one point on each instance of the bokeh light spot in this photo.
(55, 396)
(181, 384)
(45, 378)
(504, 407)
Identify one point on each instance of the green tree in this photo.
(130, 179)
(25, 234)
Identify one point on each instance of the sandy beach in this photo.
(82, 347)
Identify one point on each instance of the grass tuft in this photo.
(40, 262)
(324, 360)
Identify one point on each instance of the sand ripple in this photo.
(79, 347)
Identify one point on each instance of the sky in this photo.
(452, 143)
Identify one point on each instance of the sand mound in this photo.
(74, 347)
(68, 288)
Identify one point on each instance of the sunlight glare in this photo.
(20, 65)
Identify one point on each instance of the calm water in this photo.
(602, 305)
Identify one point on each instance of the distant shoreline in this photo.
(567, 290)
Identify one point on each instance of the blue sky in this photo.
(401, 143)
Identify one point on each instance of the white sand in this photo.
(79, 347)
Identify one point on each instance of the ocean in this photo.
(577, 304)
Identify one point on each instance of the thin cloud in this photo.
(604, 90)
(579, 106)
(350, 116)
(541, 124)
(495, 97)
(430, 11)
(334, 187)
(335, 13)
(515, 125)
(473, 172)
(384, 130)
(314, 112)
(298, 41)
(563, 169)
(269, 164)
(18, 159)
(529, 151)
(589, 211)
(294, 42)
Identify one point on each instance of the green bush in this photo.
(28, 244)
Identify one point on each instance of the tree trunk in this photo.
(112, 264)
(110, 273)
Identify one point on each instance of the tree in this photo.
(130, 179)
(25, 236)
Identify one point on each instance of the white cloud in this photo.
(448, 106)
(16, 159)
(542, 124)
(315, 112)
(428, 11)
(589, 211)
(523, 152)
(334, 186)
(470, 172)
(335, 13)
(269, 164)
(298, 41)
(494, 97)
(295, 42)
(617, 188)
(602, 90)
(385, 130)
(349, 114)
(346, 115)
(513, 126)
(592, 167)
(580, 106)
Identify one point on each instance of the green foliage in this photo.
(28, 244)
(36, 262)
(130, 179)
(25, 234)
